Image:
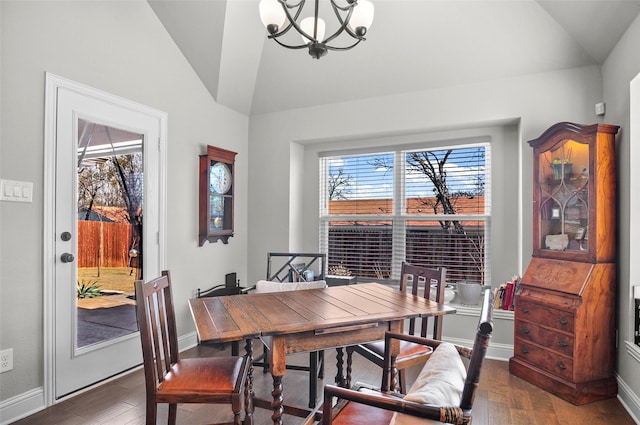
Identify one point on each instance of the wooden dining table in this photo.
(309, 320)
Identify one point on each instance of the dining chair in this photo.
(443, 392)
(171, 380)
(416, 280)
(230, 287)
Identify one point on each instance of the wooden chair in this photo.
(171, 380)
(416, 280)
(381, 407)
(230, 287)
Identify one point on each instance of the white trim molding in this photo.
(21, 406)
(629, 400)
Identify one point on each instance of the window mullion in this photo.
(399, 207)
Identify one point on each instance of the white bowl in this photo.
(449, 293)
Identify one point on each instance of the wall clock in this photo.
(216, 192)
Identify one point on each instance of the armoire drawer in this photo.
(545, 316)
(554, 363)
(555, 341)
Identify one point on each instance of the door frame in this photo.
(53, 84)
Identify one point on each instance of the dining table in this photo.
(308, 320)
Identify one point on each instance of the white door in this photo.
(106, 217)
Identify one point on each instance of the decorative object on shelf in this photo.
(449, 293)
(354, 17)
(340, 275)
(561, 167)
(564, 315)
(504, 296)
(468, 292)
(216, 192)
(557, 242)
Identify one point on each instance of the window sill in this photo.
(633, 350)
(469, 310)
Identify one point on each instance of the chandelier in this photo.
(354, 18)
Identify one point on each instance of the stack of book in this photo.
(504, 296)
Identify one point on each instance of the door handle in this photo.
(67, 257)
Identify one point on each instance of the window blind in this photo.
(426, 207)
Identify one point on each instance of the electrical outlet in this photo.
(6, 360)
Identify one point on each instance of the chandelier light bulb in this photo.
(307, 25)
(272, 15)
(362, 17)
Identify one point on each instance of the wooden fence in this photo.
(367, 251)
(103, 244)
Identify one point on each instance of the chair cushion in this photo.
(356, 413)
(203, 376)
(440, 383)
(268, 286)
(407, 349)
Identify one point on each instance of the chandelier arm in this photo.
(343, 23)
(343, 8)
(291, 6)
(302, 46)
(345, 47)
(353, 34)
(292, 19)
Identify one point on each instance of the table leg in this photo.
(276, 404)
(278, 367)
(349, 366)
(340, 367)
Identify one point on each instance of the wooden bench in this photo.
(443, 392)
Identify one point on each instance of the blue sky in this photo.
(370, 182)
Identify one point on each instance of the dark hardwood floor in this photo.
(501, 399)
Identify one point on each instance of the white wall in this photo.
(121, 48)
(622, 65)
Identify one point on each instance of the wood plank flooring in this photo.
(502, 399)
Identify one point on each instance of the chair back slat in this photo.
(418, 280)
(156, 319)
(291, 266)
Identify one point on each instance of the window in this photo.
(427, 207)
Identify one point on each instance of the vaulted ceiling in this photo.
(412, 45)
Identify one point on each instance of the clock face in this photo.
(220, 178)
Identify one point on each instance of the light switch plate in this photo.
(16, 191)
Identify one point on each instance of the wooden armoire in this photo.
(564, 324)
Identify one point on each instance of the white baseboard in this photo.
(629, 399)
(21, 406)
(187, 341)
(496, 351)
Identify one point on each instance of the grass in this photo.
(110, 278)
